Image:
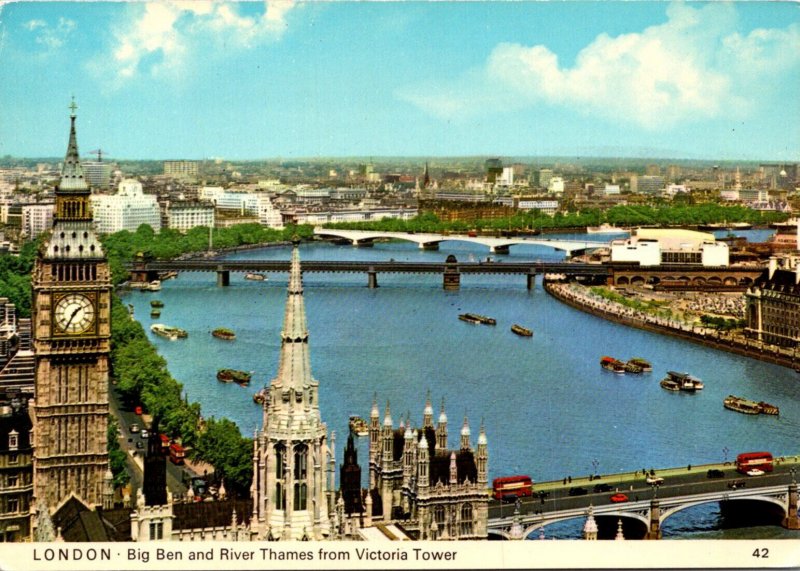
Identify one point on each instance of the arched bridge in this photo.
(649, 506)
(432, 241)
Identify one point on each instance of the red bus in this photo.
(176, 453)
(749, 460)
(164, 442)
(507, 486)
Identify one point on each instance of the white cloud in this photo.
(694, 66)
(51, 37)
(162, 37)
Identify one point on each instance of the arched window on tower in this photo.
(280, 474)
(300, 476)
(466, 520)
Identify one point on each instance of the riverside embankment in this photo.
(581, 298)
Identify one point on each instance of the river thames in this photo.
(549, 409)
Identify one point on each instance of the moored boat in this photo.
(255, 277)
(358, 426)
(168, 331)
(224, 333)
(521, 331)
(154, 285)
(612, 364)
(156, 303)
(233, 375)
(681, 382)
(643, 364)
(740, 404)
(633, 368)
(469, 318)
(155, 313)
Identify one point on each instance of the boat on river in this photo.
(260, 396)
(168, 331)
(747, 406)
(521, 331)
(224, 333)
(255, 277)
(612, 364)
(155, 313)
(605, 228)
(154, 285)
(358, 426)
(234, 376)
(642, 364)
(156, 303)
(477, 318)
(681, 382)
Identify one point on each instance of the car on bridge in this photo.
(736, 484)
(618, 498)
(654, 480)
(599, 488)
(755, 472)
(714, 473)
(578, 491)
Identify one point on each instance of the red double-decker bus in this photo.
(176, 453)
(508, 486)
(750, 460)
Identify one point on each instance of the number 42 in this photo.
(762, 553)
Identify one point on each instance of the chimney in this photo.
(773, 265)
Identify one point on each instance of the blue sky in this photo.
(279, 79)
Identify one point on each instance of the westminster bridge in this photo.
(773, 495)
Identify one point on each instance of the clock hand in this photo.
(71, 317)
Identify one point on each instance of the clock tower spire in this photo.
(71, 319)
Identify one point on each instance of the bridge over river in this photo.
(647, 507)
(432, 241)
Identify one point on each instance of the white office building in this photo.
(126, 210)
(556, 185)
(657, 246)
(36, 219)
(185, 215)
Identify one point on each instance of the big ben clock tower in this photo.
(71, 320)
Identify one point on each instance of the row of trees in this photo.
(623, 215)
(121, 247)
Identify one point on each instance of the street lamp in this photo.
(792, 472)
(595, 463)
(725, 451)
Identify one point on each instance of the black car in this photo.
(737, 484)
(542, 494)
(600, 488)
(713, 473)
(508, 498)
(578, 491)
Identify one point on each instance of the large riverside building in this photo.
(291, 498)
(126, 210)
(773, 304)
(659, 246)
(71, 338)
(417, 481)
(185, 215)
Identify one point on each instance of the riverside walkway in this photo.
(583, 299)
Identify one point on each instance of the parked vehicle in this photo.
(714, 473)
(600, 488)
(578, 491)
(618, 498)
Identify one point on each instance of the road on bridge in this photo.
(555, 496)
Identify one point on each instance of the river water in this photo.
(549, 409)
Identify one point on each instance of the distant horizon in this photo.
(294, 81)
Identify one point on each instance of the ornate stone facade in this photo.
(71, 333)
(773, 304)
(416, 480)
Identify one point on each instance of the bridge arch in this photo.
(637, 280)
(699, 280)
(665, 514)
(623, 280)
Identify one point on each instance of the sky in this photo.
(278, 79)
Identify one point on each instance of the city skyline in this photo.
(249, 81)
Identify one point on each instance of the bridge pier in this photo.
(451, 277)
(363, 244)
(372, 278)
(432, 246)
(223, 278)
(791, 521)
(654, 530)
(500, 249)
(531, 280)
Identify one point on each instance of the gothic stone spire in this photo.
(294, 370)
(72, 178)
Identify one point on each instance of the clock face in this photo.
(74, 314)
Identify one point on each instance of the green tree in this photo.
(222, 445)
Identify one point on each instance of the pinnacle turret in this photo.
(72, 178)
